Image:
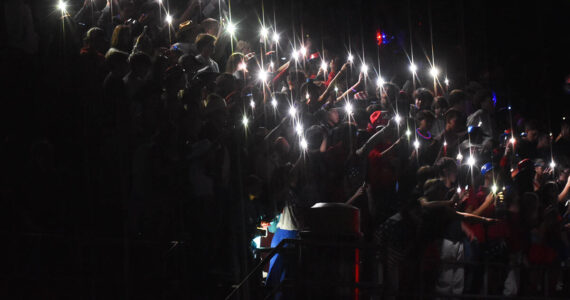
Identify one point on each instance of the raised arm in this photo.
(392, 147)
(272, 135)
(564, 194)
(281, 71)
(191, 9)
(325, 94)
(359, 192)
(375, 139)
(488, 201)
(431, 204)
(351, 90)
(471, 218)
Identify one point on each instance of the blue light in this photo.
(386, 38)
(495, 99)
(469, 129)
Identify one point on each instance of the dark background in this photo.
(518, 49)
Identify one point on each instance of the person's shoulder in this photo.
(440, 137)
(475, 114)
(215, 65)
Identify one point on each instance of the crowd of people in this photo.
(187, 133)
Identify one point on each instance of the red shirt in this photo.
(494, 231)
(380, 172)
(332, 74)
(473, 202)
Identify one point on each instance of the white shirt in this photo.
(289, 217)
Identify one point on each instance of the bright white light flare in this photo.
(434, 72)
(304, 144)
(380, 81)
(397, 118)
(416, 144)
(299, 129)
(471, 161)
(262, 75)
(62, 6)
(348, 108)
(413, 68)
(231, 28)
(264, 32)
(292, 111)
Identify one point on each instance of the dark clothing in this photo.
(561, 147)
(526, 149)
(452, 140)
(440, 222)
(427, 150)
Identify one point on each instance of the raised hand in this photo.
(345, 67)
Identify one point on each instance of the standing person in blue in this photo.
(287, 227)
(295, 189)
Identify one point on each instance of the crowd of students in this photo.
(184, 132)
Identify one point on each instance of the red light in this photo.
(379, 37)
(356, 272)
